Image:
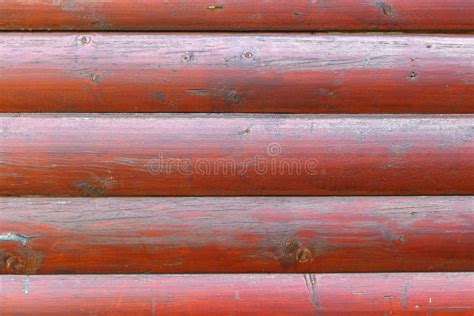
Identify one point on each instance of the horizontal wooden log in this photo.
(249, 234)
(244, 294)
(284, 73)
(202, 154)
(232, 15)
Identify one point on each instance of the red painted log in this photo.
(266, 234)
(285, 73)
(232, 15)
(202, 154)
(244, 294)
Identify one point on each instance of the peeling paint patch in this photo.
(15, 237)
(88, 188)
(26, 285)
(158, 95)
(215, 6)
(66, 5)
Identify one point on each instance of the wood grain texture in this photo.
(235, 15)
(231, 154)
(249, 234)
(284, 73)
(244, 294)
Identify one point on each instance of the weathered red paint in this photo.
(240, 294)
(235, 15)
(247, 234)
(285, 73)
(203, 154)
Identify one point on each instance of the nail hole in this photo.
(95, 78)
(248, 55)
(85, 39)
(188, 57)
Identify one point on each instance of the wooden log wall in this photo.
(177, 154)
(284, 73)
(277, 294)
(238, 15)
(236, 157)
(240, 234)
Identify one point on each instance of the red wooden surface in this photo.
(269, 234)
(284, 294)
(366, 15)
(291, 73)
(202, 154)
